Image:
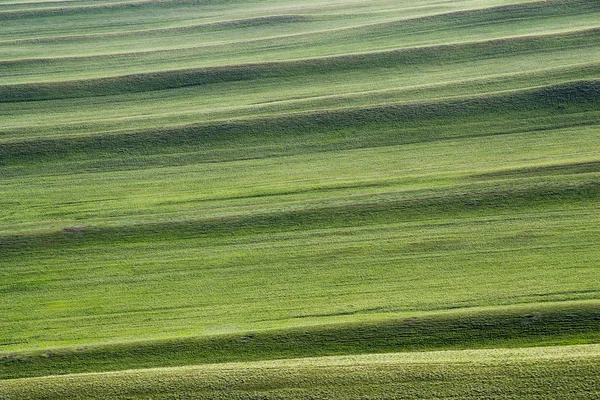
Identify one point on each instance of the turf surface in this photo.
(567, 372)
(196, 182)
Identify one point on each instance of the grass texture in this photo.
(561, 372)
(214, 186)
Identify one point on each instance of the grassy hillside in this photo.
(192, 182)
(569, 372)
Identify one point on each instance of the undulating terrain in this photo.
(280, 199)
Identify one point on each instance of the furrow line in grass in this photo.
(73, 10)
(159, 80)
(554, 169)
(204, 27)
(55, 3)
(393, 122)
(559, 379)
(448, 20)
(91, 8)
(50, 61)
(486, 15)
(48, 3)
(501, 13)
(521, 325)
(85, 160)
(91, 123)
(462, 200)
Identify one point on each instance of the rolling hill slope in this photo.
(192, 182)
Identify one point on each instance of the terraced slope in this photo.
(195, 182)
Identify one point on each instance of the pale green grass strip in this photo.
(534, 373)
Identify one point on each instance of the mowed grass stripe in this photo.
(510, 374)
(9, 5)
(87, 9)
(52, 69)
(117, 39)
(467, 200)
(407, 32)
(188, 13)
(384, 125)
(178, 107)
(400, 59)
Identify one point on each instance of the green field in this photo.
(277, 199)
(569, 372)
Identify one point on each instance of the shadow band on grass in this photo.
(425, 207)
(500, 113)
(514, 326)
(180, 78)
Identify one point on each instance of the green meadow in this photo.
(570, 372)
(271, 199)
